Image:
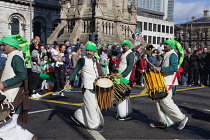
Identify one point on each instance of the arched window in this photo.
(15, 26)
(37, 28)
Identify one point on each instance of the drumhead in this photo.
(104, 83)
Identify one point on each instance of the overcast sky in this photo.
(185, 9)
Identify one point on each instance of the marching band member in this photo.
(13, 75)
(126, 63)
(89, 115)
(168, 111)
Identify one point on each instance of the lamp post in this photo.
(30, 20)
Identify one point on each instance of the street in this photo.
(50, 117)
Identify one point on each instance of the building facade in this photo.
(195, 33)
(109, 19)
(165, 6)
(154, 30)
(29, 18)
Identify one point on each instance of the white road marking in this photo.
(96, 135)
(40, 111)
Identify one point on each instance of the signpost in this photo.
(137, 33)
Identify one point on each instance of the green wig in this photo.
(90, 46)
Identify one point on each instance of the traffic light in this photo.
(96, 38)
(91, 37)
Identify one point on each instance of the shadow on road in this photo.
(196, 114)
(199, 115)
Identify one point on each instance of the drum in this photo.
(6, 110)
(103, 87)
(155, 85)
(121, 91)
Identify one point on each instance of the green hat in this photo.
(90, 46)
(108, 44)
(171, 43)
(11, 40)
(126, 42)
(102, 45)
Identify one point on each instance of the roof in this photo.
(140, 10)
(200, 20)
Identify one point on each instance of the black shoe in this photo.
(158, 125)
(76, 121)
(99, 129)
(123, 119)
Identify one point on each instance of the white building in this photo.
(154, 30)
(29, 18)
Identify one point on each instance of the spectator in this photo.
(193, 69)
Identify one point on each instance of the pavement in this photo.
(50, 117)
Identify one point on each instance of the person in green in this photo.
(168, 112)
(126, 64)
(13, 75)
(89, 115)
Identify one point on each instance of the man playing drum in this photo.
(124, 108)
(89, 115)
(13, 75)
(168, 111)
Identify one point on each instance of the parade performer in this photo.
(89, 115)
(13, 75)
(168, 111)
(126, 62)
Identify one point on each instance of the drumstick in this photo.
(150, 63)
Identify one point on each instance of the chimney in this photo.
(193, 18)
(205, 13)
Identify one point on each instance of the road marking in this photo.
(191, 88)
(96, 135)
(133, 95)
(40, 111)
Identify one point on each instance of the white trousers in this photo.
(11, 130)
(89, 114)
(124, 108)
(168, 111)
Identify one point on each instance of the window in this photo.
(167, 29)
(154, 40)
(150, 26)
(139, 24)
(163, 28)
(15, 26)
(149, 39)
(171, 30)
(145, 25)
(163, 40)
(158, 40)
(154, 27)
(145, 38)
(37, 28)
(159, 28)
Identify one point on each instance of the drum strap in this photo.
(22, 97)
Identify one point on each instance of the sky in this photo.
(185, 9)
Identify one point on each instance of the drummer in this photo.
(126, 63)
(13, 75)
(168, 111)
(89, 115)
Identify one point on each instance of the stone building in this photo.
(195, 33)
(110, 19)
(29, 18)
